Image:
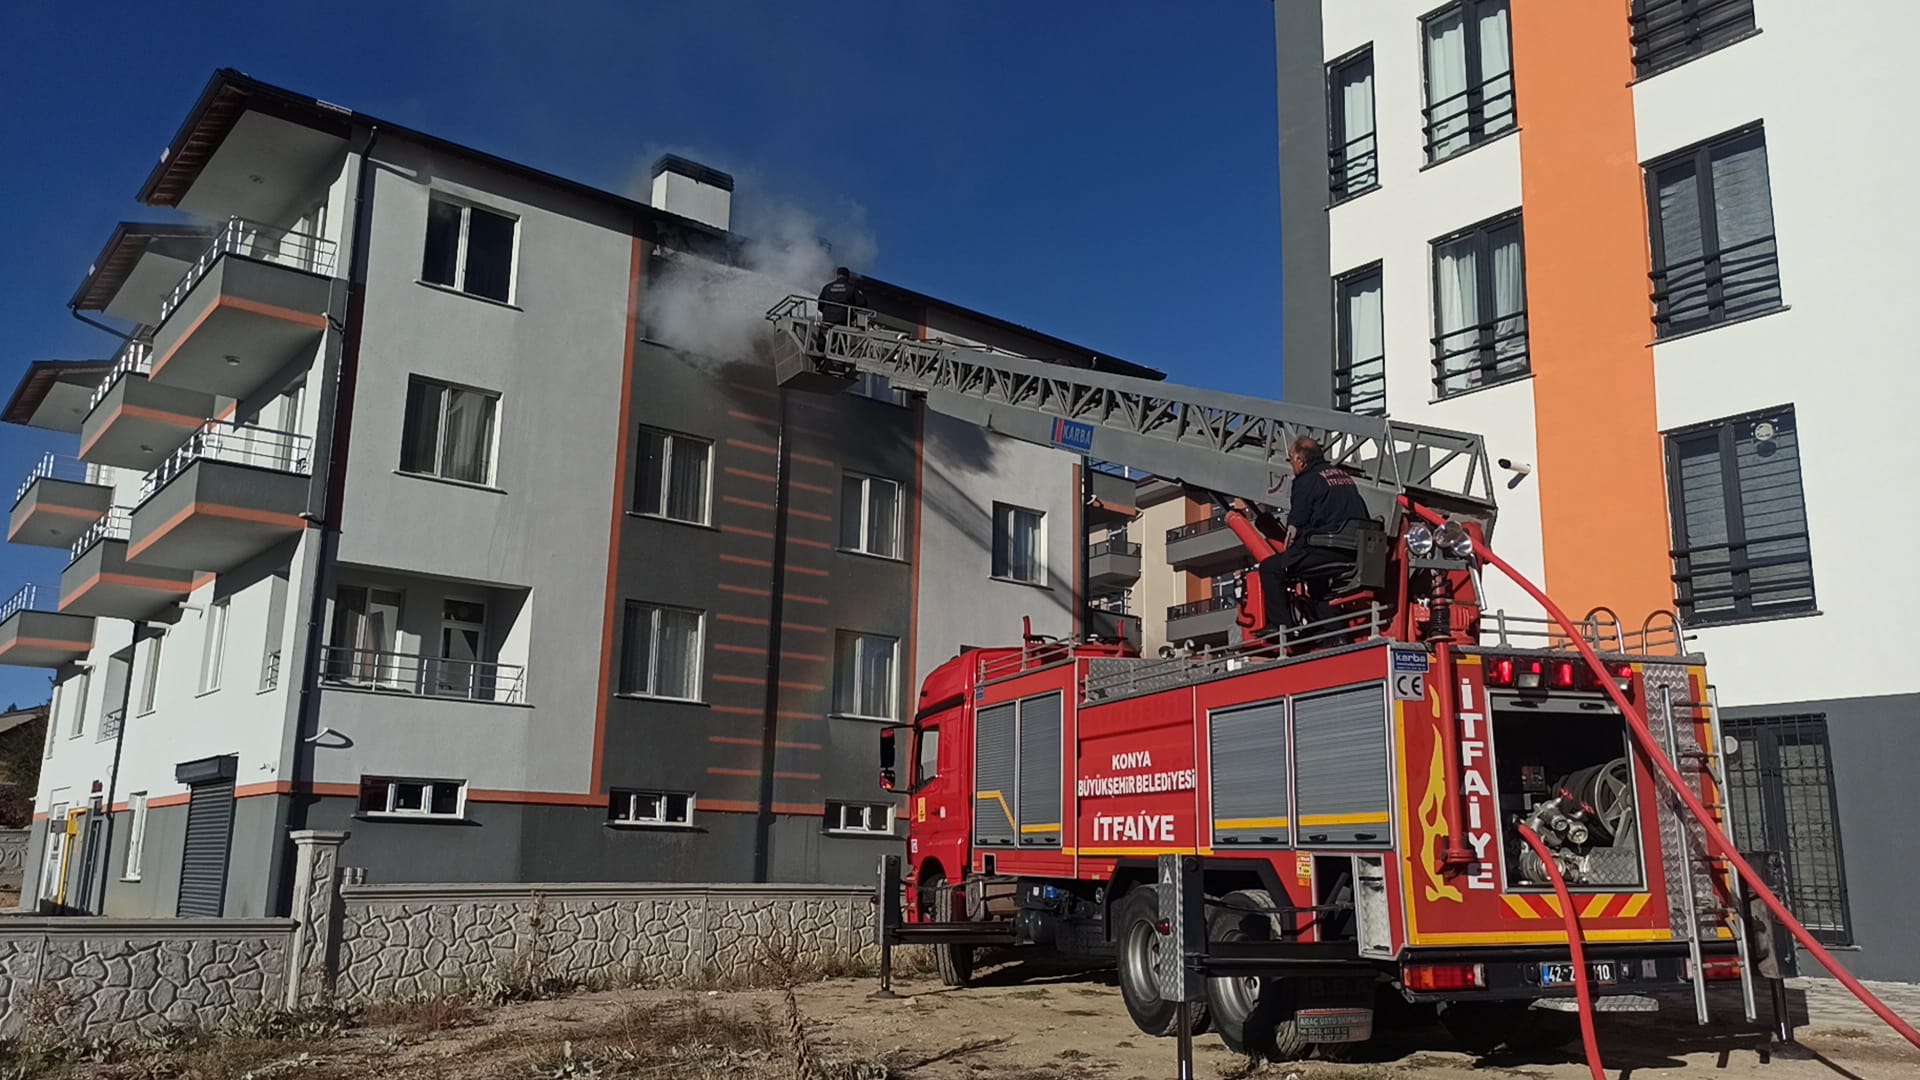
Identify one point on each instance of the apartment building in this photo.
(398, 512)
(1641, 247)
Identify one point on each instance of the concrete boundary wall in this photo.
(13, 857)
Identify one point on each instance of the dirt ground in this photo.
(1019, 1024)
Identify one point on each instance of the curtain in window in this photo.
(883, 517)
(687, 480)
(1362, 385)
(1743, 217)
(1365, 335)
(1509, 301)
(1457, 284)
(1025, 546)
(1446, 84)
(1358, 165)
(1496, 69)
(1704, 522)
(1680, 260)
(469, 436)
(679, 654)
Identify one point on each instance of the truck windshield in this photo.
(926, 759)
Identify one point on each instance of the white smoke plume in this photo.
(705, 307)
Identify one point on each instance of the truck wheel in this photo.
(1481, 1027)
(955, 962)
(1253, 1015)
(1139, 943)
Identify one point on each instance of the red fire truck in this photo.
(1353, 786)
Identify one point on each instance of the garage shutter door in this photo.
(203, 866)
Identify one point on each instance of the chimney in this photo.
(693, 190)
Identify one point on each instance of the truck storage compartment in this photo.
(1570, 776)
(1341, 790)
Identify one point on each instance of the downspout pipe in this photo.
(113, 774)
(98, 325)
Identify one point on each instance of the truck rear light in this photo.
(1438, 978)
(1715, 968)
(1500, 671)
(1563, 674)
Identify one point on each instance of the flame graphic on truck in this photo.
(1433, 827)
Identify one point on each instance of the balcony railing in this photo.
(111, 723)
(421, 676)
(270, 670)
(52, 466)
(31, 597)
(134, 358)
(1736, 280)
(253, 240)
(1196, 528)
(1360, 386)
(233, 444)
(1112, 547)
(1480, 355)
(112, 525)
(1353, 167)
(1202, 607)
(1461, 121)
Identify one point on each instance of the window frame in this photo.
(1337, 143)
(666, 476)
(829, 818)
(136, 835)
(1646, 66)
(438, 471)
(1475, 91)
(1733, 509)
(663, 820)
(213, 644)
(1002, 554)
(921, 778)
(866, 481)
(1713, 254)
(699, 674)
(1482, 232)
(845, 699)
(1343, 360)
(150, 677)
(461, 252)
(77, 710)
(393, 784)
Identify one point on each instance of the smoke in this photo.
(706, 307)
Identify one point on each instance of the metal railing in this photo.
(270, 670)
(1360, 386)
(112, 525)
(1353, 166)
(134, 358)
(1667, 32)
(1202, 607)
(52, 466)
(1112, 547)
(1662, 633)
(1480, 115)
(233, 444)
(1122, 678)
(421, 676)
(253, 240)
(1481, 354)
(1196, 528)
(1715, 287)
(31, 597)
(111, 723)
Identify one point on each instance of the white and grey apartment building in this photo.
(1656, 251)
(392, 515)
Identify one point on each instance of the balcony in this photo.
(256, 299)
(421, 676)
(99, 581)
(1113, 562)
(227, 494)
(1203, 622)
(1110, 619)
(133, 423)
(1205, 547)
(57, 501)
(33, 634)
(1110, 502)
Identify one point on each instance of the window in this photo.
(1360, 356)
(1469, 76)
(870, 515)
(1781, 796)
(863, 683)
(650, 807)
(136, 834)
(852, 817)
(662, 652)
(1740, 547)
(1019, 544)
(1480, 307)
(360, 644)
(1710, 212)
(213, 648)
(674, 477)
(1671, 32)
(1353, 158)
(75, 695)
(150, 676)
(414, 798)
(469, 249)
(878, 388)
(449, 432)
(463, 644)
(927, 763)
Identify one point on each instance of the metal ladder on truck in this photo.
(1686, 838)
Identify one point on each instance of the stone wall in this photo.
(13, 858)
(118, 978)
(406, 940)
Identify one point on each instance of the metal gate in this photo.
(1785, 815)
(203, 859)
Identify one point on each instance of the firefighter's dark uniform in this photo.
(836, 298)
(1324, 499)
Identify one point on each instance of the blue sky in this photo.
(1103, 171)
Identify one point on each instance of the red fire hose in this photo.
(1582, 992)
(1716, 840)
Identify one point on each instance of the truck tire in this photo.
(1137, 942)
(1481, 1027)
(955, 962)
(1254, 1015)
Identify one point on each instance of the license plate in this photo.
(1562, 974)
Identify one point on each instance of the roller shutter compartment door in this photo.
(1342, 795)
(203, 864)
(1249, 771)
(995, 753)
(1039, 802)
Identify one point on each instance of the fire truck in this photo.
(1353, 786)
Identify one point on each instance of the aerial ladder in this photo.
(1232, 445)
